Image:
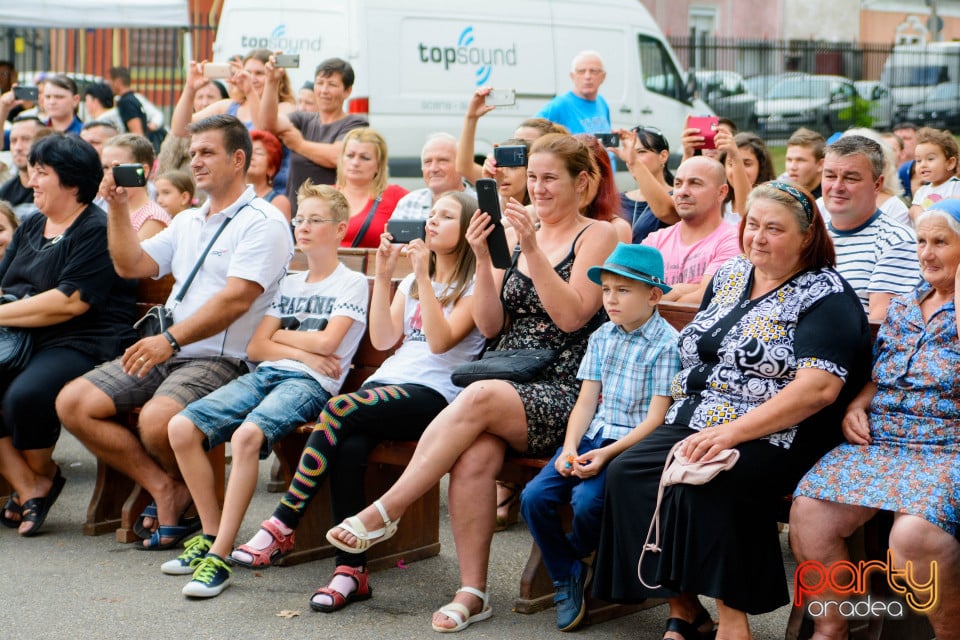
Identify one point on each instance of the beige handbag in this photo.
(678, 470)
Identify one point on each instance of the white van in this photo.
(912, 70)
(417, 62)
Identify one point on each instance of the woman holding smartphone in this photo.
(432, 314)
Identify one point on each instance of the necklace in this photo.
(65, 225)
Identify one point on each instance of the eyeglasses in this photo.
(583, 72)
(312, 221)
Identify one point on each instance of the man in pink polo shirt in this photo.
(696, 246)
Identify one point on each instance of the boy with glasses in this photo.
(304, 345)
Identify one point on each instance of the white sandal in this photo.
(365, 539)
(461, 615)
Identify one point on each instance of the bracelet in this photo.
(173, 341)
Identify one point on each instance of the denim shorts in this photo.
(276, 400)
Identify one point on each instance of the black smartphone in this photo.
(403, 231)
(129, 175)
(30, 94)
(608, 139)
(287, 61)
(488, 197)
(511, 155)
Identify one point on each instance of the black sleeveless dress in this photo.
(548, 399)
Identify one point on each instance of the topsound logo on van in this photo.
(466, 54)
(278, 41)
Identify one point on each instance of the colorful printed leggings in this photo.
(348, 429)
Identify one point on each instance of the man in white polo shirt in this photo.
(206, 345)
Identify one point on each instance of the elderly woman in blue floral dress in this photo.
(903, 432)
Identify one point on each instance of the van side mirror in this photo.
(690, 88)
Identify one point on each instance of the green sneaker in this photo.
(211, 577)
(184, 564)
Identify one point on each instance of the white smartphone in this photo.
(501, 98)
(217, 70)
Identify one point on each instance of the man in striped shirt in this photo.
(875, 254)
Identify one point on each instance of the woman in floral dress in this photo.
(903, 432)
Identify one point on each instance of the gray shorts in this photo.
(182, 379)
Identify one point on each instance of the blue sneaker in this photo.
(185, 563)
(571, 599)
(211, 577)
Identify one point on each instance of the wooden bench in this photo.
(117, 501)
(418, 537)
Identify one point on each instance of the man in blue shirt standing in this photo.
(582, 110)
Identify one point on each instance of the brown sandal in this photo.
(362, 592)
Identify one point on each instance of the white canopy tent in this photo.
(73, 14)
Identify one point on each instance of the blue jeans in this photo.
(275, 400)
(548, 491)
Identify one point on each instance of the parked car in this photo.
(760, 86)
(939, 108)
(882, 107)
(823, 103)
(725, 93)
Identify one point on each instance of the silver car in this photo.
(823, 103)
(724, 91)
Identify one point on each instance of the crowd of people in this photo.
(772, 376)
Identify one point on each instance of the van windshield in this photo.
(914, 75)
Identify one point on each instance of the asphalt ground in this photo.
(62, 584)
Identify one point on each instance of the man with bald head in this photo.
(582, 110)
(694, 248)
(438, 163)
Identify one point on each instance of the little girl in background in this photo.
(936, 165)
(175, 191)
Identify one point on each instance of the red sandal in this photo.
(279, 547)
(362, 592)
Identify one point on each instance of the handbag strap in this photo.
(357, 239)
(203, 256)
(654, 547)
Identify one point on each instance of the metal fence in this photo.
(856, 61)
(156, 57)
(773, 96)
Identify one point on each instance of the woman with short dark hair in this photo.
(76, 309)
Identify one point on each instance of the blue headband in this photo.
(950, 206)
(797, 195)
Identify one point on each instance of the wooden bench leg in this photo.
(276, 484)
(110, 491)
(117, 501)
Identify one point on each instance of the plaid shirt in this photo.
(417, 204)
(632, 368)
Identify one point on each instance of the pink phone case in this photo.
(708, 129)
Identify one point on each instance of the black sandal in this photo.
(13, 506)
(35, 510)
(512, 503)
(691, 630)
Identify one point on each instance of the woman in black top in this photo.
(77, 309)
